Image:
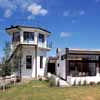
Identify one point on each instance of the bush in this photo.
(51, 83)
(85, 83)
(58, 84)
(40, 79)
(92, 83)
(18, 79)
(79, 83)
(74, 84)
(98, 83)
(47, 80)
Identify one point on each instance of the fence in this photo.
(8, 81)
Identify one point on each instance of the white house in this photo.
(78, 65)
(29, 49)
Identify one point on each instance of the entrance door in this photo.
(51, 68)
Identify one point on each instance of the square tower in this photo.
(29, 49)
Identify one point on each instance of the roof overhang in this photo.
(84, 52)
(12, 29)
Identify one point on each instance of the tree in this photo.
(6, 69)
(7, 50)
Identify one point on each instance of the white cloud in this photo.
(66, 13)
(65, 34)
(74, 13)
(36, 9)
(22, 5)
(82, 12)
(1, 19)
(7, 4)
(43, 12)
(31, 17)
(74, 21)
(7, 13)
(97, 1)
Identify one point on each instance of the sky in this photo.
(73, 23)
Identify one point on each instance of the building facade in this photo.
(75, 65)
(29, 49)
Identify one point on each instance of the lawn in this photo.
(40, 90)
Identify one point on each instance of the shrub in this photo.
(18, 79)
(85, 83)
(40, 79)
(74, 84)
(79, 83)
(98, 83)
(47, 80)
(92, 83)
(51, 83)
(58, 84)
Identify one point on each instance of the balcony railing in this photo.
(43, 45)
(49, 44)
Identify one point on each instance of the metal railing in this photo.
(49, 44)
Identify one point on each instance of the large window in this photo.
(28, 36)
(16, 37)
(28, 62)
(41, 38)
(41, 61)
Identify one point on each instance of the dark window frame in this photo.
(16, 37)
(58, 64)
(63, 57)
(41, 62)
(28, 36)
(41, 38)
(28, 62)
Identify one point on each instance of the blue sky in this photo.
(73, 23)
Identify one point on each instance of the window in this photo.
(58, 65)
(28, 62)
(28, 36)
(63, 57)
(16, 36)
(41, 38)
(41, 61)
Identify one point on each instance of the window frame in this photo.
(63, 57)
(28, 36)
(41, 62)
(16, 37)
(28, 64)
(41, 38)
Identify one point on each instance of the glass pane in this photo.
(41, 38)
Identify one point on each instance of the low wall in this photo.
(56, 81)
(7, 80)
(81, 80)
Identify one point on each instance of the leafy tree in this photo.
(6, 50)
(6, 69)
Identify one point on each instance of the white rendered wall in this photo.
(41, 71)
(61, 69)
(88, 79)
(35, 41)
(30, 73)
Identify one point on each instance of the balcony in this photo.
(47, 45)
(28, 42)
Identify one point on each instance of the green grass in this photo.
(40, 90)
